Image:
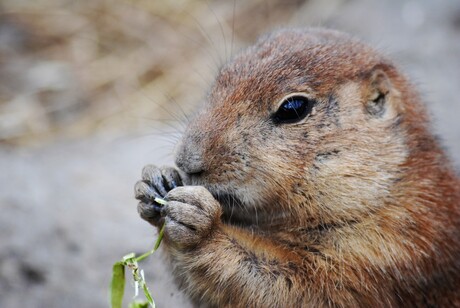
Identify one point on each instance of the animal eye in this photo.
(293, 109)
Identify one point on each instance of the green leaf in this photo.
(117, 285)
(139, 305)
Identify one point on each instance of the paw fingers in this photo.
(180, 234)
(171, 178)
(149, 212)
(152, 175)
(188, 215)
(144, 192)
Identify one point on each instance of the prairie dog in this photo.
(310, 178)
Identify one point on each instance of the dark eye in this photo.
(293, 109)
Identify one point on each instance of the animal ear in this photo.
(378, 93)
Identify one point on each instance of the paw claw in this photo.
(153, 176)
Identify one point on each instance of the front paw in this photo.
(156, 183)
(190, 215)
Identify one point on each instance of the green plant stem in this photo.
(117, 285)
(155, 247)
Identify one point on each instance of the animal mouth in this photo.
(226, 196)
(235, 210)
(228, 200)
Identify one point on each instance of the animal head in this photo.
(305, 124)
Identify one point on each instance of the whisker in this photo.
(220, 27)
(217, 61)
(186, 119)
(233, 28)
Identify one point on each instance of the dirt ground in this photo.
(90, 93)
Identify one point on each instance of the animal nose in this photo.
(189, 158)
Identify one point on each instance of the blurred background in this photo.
(91, 91)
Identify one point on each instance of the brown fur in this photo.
(355, 206)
